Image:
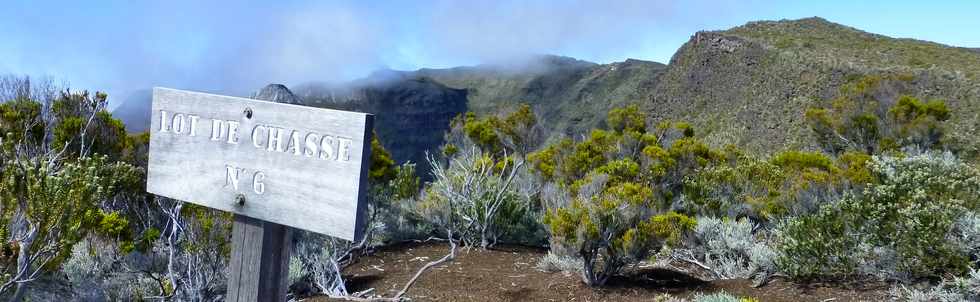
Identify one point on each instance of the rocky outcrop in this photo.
(277, 93)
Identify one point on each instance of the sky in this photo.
(236, 47)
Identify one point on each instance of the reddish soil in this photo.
(509, 274)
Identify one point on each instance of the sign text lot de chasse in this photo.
(294, 165)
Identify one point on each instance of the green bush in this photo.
(908, 212)
(616, 188)
(516, 132)
(748, 187)
(45, 209)
(816, 245)
(914, 206)
(617, 228)
(790, 183)
(20, 121)
(860, 120)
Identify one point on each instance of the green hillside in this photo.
(751, 84)
(825, 41)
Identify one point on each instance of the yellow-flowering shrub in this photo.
(618, 227)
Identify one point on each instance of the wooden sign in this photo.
(298, 166)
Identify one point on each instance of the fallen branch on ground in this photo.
(358, 297)
(448, 257)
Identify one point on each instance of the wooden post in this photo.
(259, 267)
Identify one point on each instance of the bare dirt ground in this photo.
(509, 274)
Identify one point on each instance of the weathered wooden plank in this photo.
(259, 264)
(298, 166)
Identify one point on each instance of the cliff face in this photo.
(413, 109)
(571, 96)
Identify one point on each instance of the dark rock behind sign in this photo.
(135, 111)
(412, 114)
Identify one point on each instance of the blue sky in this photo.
(236, 47)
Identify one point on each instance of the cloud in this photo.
(225, 47)
(482, 31)
(322, 43)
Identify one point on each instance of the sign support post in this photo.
(275, 166)
(259, 265)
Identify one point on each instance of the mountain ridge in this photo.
(747, 85)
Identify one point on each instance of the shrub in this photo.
(382, 167)
(810, 178)
(196, 251)
(816, 245)
(948, 290)
(920, 123)
(389, 208)
(84, 270)
(854, 167)
(629, 118)
(483, 132)
(316, 260)
(60, 181)
(517, 132)
(554, 262)
(728, 248)
(94, 273)
(860, 120)
(610, 195)
(966, 231)
(614, 229)
(747, 188)
(521, 131)
(720, 297)
(473, 196)
(914, 207)
(790, 183)
(47, 207)
(905, 217)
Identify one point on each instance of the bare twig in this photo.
(448, 257)
(400, 296)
